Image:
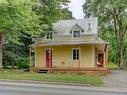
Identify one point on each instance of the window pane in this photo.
(77, 54)
(74, 54)
(76, 33)
(50, 35)
(47, 36)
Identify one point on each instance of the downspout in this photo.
(105, 52)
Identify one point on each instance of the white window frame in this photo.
(76, 54)
(49, 36)
(73, 33)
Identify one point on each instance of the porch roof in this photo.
(59, 43)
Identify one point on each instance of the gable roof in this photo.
(76, 26)
(63, 27)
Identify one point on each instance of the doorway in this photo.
(48, 59)
(100, 60)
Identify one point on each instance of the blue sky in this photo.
(76, 7)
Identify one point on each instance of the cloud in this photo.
(76, 7)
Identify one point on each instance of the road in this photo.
(14, 88)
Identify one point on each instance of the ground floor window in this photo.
(75, 54)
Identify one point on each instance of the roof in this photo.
(78, 42)
(63, 27)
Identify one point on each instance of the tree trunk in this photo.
(12, 64)
(1, 56)
(121, 58)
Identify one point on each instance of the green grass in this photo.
(112, 66)
(54, 77)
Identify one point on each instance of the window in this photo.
(76, 34)
(49, 35)
(75, 54)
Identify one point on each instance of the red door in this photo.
(100, 60)
(48, 58)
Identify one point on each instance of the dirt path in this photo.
(118, 78)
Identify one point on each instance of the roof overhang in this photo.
(66, 43)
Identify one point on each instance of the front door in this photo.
(100, 60)
(48, 58)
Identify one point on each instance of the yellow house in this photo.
(72, 46)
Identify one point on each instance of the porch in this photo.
(93, 71)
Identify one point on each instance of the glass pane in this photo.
(77, 54)
(50, 35)
(74, 54)
(76, 33)
(47, 37)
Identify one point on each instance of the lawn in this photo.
(54, 77)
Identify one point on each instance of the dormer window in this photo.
(76, 33)
(49, 35)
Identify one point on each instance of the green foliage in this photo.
(112, 66)
(112, 17)
(22, 19)
(15, 54)
(17, 15)
(50, 11)
(22, 62)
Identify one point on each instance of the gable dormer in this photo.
(76, 31)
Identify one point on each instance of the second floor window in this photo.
(76, 34)
(49, 35)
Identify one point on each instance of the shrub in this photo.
(23, 63)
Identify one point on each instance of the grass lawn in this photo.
(54, 77)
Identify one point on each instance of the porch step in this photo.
(42, 71)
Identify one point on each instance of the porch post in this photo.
(93, 56)
(79, 59)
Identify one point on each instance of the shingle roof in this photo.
(63, 27)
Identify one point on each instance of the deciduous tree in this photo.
(112, 15)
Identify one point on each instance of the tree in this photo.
(16, 16)
(50, 11)
(112, 16)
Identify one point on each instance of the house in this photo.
(72, 46)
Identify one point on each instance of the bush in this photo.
(112, 66)
(22, 63)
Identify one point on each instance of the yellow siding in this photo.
(86, 52)
(62, 56)
(39, 57)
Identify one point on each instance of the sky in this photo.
(76, 7)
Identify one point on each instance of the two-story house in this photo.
(72, 46)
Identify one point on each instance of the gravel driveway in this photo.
(118, 78)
